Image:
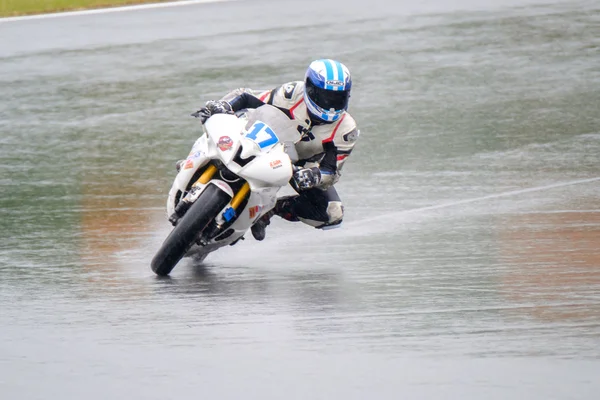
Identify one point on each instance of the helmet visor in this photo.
(327, 99)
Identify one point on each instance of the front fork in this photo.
(184, 204)
(226, 218)
(189, 199)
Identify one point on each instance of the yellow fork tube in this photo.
(206, 175)
(240, 196)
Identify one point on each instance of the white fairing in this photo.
(260, 133)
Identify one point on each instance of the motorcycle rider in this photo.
(319, 104)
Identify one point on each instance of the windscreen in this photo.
(285, 128)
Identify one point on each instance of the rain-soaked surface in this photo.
(468, 265)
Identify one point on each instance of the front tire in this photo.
(196, 219)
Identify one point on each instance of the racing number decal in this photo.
(262, 134)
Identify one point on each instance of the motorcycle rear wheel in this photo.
(184, 234)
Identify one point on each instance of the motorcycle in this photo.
(235, 173)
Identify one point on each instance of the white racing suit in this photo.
(323, 145)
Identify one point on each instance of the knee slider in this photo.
(335, 212)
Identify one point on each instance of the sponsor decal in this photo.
(307, 135)
(334, 83)
(188, 164)
(276, 164)
(195, 154)
(225, 143)
(351, 136)
(254, 211)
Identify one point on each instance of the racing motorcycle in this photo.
(234, 174)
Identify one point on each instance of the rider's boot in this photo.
(282, 208)
(258, 229)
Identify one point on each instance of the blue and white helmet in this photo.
(327, 89)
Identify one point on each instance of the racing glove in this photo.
(306, 178)
(212, 107)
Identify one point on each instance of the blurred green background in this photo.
(24, 7)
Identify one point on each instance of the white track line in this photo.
(506, 194)
(473, 200)
(109, 10)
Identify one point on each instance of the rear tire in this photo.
(196, 219)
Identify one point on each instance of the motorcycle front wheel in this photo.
(210, 202)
